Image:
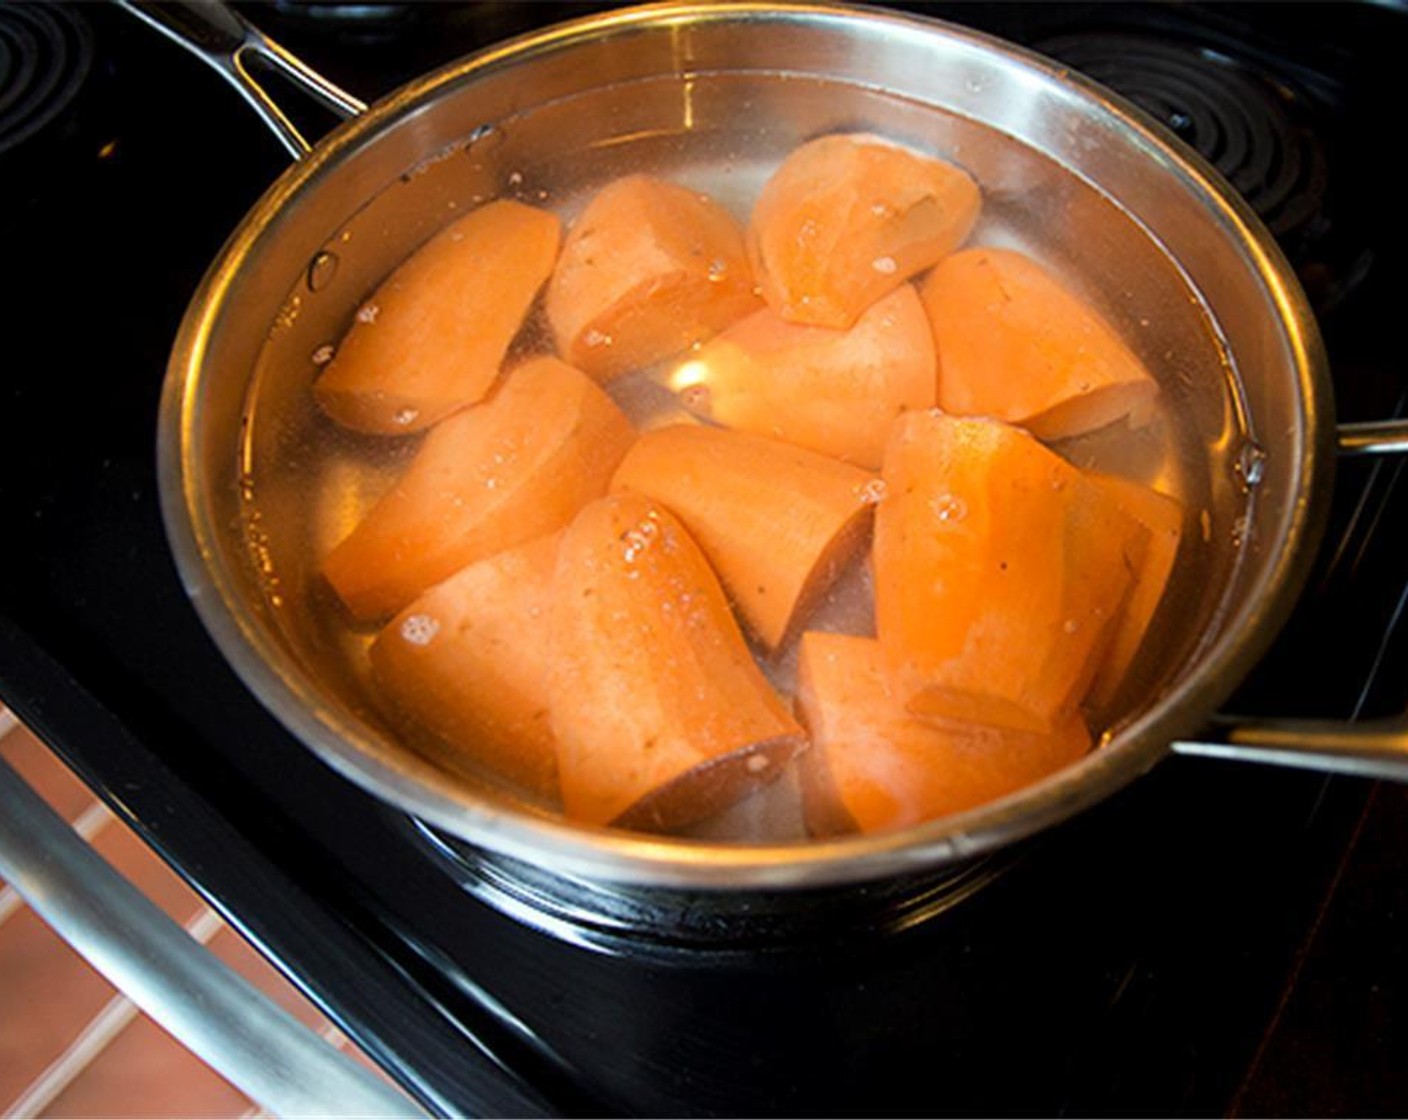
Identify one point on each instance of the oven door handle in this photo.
(254, 1044)
(234, 48)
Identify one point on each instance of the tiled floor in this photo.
(71, 1044)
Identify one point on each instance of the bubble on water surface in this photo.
(420, 629)
(638, 538)
(1241, 531)
(949, 508)
(321, 270)
(1251, 463)
(696, 398)
(288, 314)
(485, 133)
(872, 493)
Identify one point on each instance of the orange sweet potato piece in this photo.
(998, 573)
(873, 765)
(431, 338)
(1163, 517)
(649, 269)
(1015, 344)
(777, 522)
(661, 716)
(468, 661)
(490, 477)
(832, 391)
(849, 217)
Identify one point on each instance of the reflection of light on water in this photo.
(688, 374)
(690, 383)
(344, 494)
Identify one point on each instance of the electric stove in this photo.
(1217, 938)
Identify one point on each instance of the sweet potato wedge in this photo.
(431, 338)
(649, 269)
(777, 522)
(999, 572)
(1015, 344)
(490, 477)
(468, 661)
(831, 391)
(661, 716)
(849, 217)
(874, 765)
(1163, 516)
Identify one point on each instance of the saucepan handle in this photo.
(1371, 748)
(224, 40)
(1374, 437)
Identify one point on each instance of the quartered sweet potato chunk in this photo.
(431, 338)
(490, 477)
(849, 217)
(1163, 517)
(833, 391)
(777, 522)
(999, 571)
(468, 661)
(650, 268)
(874, 765)
(1015, 344)
(661, 716)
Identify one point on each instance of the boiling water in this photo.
(306, 482)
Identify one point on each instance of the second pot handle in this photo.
(1372, 748)
(225, 41)
(1373, 437)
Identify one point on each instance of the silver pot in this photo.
(713, 93)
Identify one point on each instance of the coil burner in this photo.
(46, 52)
(1254, 128)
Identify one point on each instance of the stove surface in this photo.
(1216, 939)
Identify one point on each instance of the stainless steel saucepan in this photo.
(714, 94)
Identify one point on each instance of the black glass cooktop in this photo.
(1216, 939)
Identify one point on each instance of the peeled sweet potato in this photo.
(777, 522)
(848, 218)
(1163, 517)
(874, 765)
(834, 392)
(661, 716)
(999, 572)
(517, 466)
(468, 661)
(1014, 343)
(431, 338)
(650, 268)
